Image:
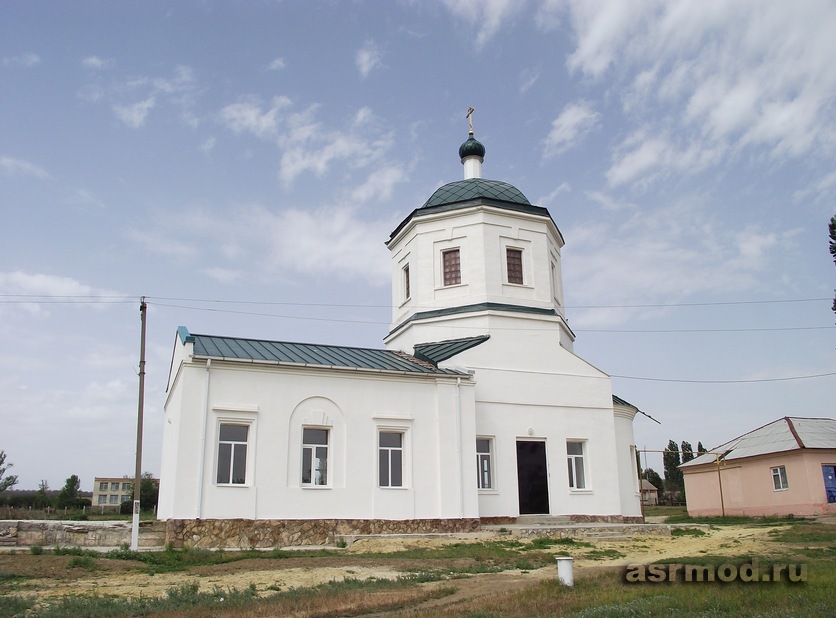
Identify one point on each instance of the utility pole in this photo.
(138, 476)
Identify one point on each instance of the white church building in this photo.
(476, 411)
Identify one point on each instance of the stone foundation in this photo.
(270, 533)
(605, 519)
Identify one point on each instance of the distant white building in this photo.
(477, 409)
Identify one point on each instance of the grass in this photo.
(347, 597)
(605, 595)
(735, 520)
(687, 532)
(601, 592)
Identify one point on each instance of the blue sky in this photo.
(242, 163)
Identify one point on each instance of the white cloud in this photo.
(309, 147)
(608, 202)
(575, 120)
(11, 167)
(249, 117)
(529, 77)
(722, 76)
(669, 254)
(277, 65)
(380, 184)
(487, 16)
(25, 60)
(36, 288)
(548, 199)
(96, 63)
(368, 58)
(224, 275)
(134, 115)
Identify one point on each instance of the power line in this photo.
(807, 377)
(99, 298)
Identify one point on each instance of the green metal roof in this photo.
(474, 192)
(309, 354)
(442, 350)
(475, 188)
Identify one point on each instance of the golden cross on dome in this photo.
(469, 117)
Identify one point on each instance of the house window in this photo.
(114, 487)
(126, 486)
(452, 267)
(103, 486)
(577, 476)
(779, 478)
(484, 463)
(114, 498)
(406, 292)
(103, 497)
(390, 459)
(314, 456)
(126, 498)
(513, 258)
(232, 454)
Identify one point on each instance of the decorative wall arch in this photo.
(324, 413)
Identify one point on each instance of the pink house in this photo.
(785, 467)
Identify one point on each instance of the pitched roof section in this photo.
(307, 354)
(440, 351)
(785, 434)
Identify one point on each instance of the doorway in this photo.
(532, 477)
(830, 482)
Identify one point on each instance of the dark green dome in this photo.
(474, 189)
(472, 147)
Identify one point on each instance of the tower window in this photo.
(406, 281)
(515, 267)
(452, 267)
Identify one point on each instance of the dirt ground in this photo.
(49, 576)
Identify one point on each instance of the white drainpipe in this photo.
(201, 462)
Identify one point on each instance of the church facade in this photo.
(476, 410)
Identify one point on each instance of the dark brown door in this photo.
(532, 478)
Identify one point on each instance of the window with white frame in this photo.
(514, 262)
(126, 486)
(484, 462)
(406, 290)
(114, 498)
(126, 498)
(451, 261)
(390, 459)
(779, 478)
(577, 473)
(232, 454)
(102, 498)
(314, 456)
(103, 486)
(114, 487)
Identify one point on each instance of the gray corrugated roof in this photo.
(310, 354)
(785, 434)
(440, 351)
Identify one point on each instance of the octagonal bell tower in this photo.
(476, 258)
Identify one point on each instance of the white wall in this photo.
(277, 402)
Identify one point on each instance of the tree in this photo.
(671, 461)
(11, 479)
(653, 478)
(68, 496)
(833, 248)
(701, 449)
(41, 499)
(687, 452)
(149, 490)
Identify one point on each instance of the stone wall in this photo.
(28, 533)
(268, 533)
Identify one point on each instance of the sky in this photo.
(241, 164)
